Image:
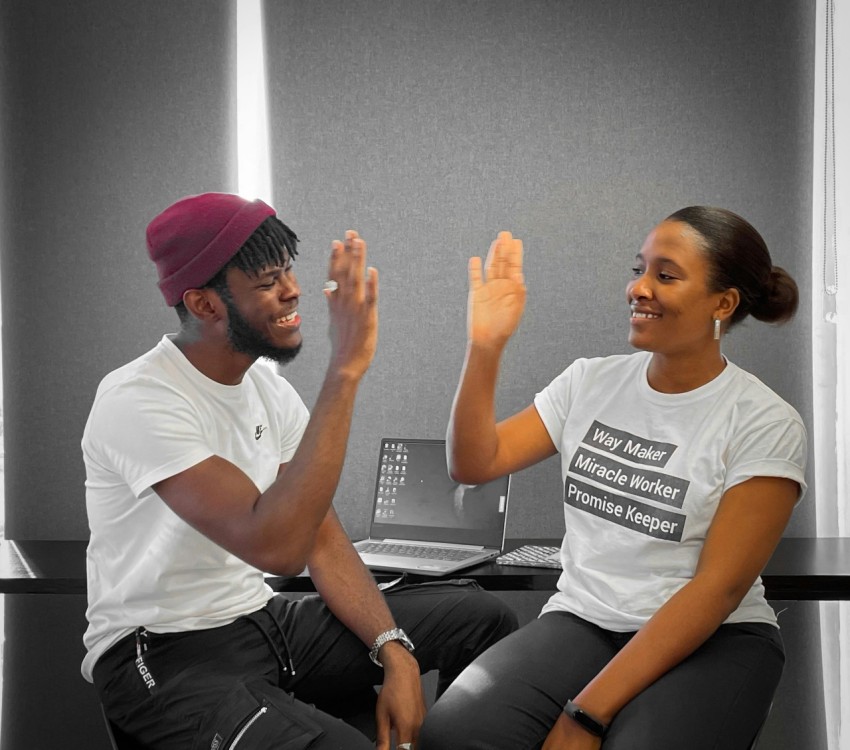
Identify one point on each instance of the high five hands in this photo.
(496, 303)
(352, 305)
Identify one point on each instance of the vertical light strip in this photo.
(252, 130)
(253, 174)
(831, 344)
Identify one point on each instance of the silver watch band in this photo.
(394, 634)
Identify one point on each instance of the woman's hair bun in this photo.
(779, 300)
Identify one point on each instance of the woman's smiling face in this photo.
(672, 307)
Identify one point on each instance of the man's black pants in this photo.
(235, 687)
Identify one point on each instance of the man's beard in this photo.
(246, 339)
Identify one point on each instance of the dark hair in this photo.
(738, 257)
(269, 245)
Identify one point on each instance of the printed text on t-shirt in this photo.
(632, 447)
(615, 462)
(649, 484)
(633, 514)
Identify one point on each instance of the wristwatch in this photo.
(396, 634)
(584, 719)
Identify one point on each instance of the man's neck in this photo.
(217, 360)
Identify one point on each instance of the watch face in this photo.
(584, 720)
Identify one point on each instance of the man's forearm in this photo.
(345, 583)
(292, 509)
(349, 590)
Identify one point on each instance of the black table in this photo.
(800, 569)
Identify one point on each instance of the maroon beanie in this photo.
(193, 239)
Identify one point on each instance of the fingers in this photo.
(355, 248)
(491, 257)
(382, 738)
(371, 285)
(383, 735)
(352, 306)
(495, 254)
(347, 267)
(504, 259)
(475, 279)
(345, 255)
(514, 261)
(335, 264)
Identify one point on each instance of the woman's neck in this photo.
(669, 373)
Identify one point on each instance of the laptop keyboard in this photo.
(411, 550)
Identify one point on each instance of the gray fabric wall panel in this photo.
(430, 126)
(112, 110)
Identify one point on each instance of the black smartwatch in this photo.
(585, 720)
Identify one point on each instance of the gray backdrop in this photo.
(427, 126)
(430, 126)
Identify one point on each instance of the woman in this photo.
(680, 474)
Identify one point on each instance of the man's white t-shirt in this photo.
(152, 419)
(643, 474)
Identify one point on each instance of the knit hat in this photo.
(193, 239)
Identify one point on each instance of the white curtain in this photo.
(831, 337)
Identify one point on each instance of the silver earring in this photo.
(717, 329)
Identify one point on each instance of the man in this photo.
(204, 469)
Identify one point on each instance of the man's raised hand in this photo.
(353, 306)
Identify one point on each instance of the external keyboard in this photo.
(416, 551)
(532, 556)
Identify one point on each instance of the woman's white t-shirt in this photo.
(643, 475)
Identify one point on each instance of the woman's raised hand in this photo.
(496, 303)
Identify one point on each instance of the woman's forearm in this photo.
(471, 437)
(672, 634)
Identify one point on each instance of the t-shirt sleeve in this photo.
(295, 421)
(775, 449)
(145, 434)
(553, 403)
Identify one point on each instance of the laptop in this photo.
(424, 522)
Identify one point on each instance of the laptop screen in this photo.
(416, 499)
